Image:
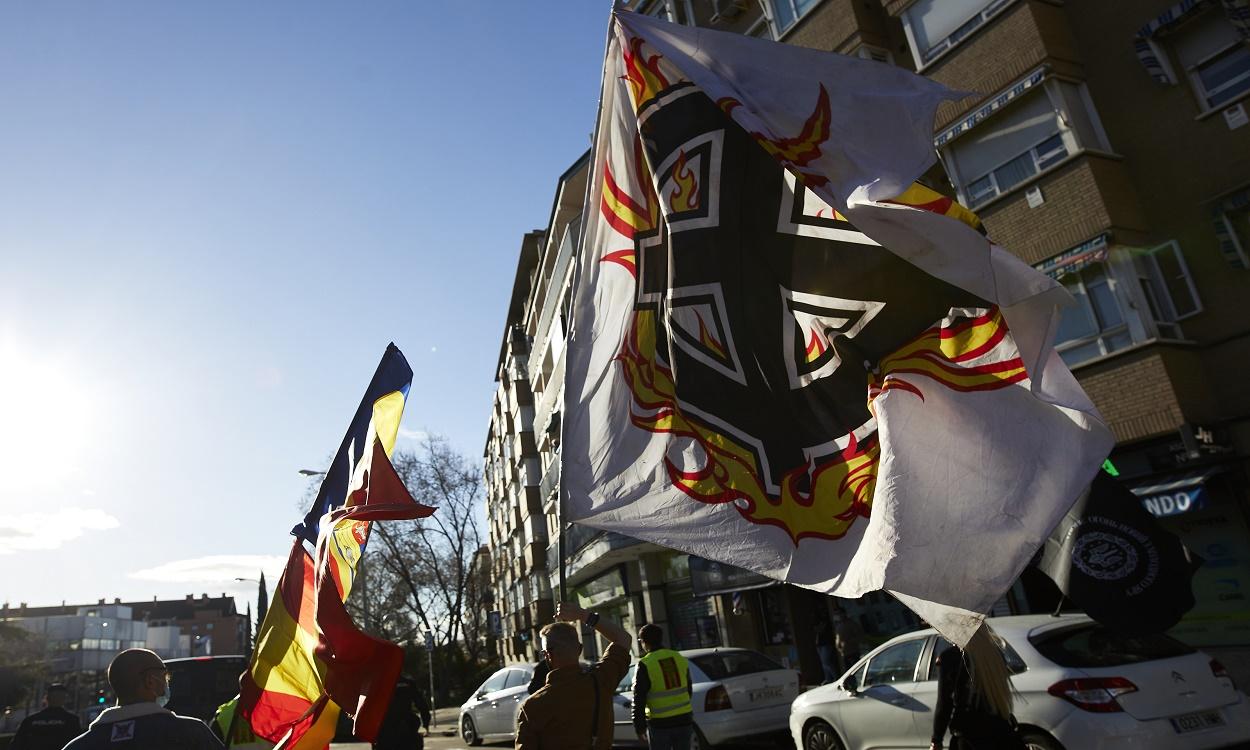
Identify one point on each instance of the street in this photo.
(444, 737)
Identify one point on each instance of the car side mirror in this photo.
(851, 685)
(481, 695)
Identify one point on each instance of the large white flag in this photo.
(786, 356)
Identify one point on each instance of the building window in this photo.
(1125, 298)
(1096, 324)
(1232, 228)
(1031, 134)
(934, 27)
(1215, 58)
(1018, 169)
(786, 13)
(676, 11)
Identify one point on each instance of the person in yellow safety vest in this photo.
(240, 734)
(663, 717)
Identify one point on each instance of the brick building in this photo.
(213, 625)
(1108, 146)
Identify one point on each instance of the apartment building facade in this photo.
(1107, 146)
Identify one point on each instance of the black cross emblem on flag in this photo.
(771, 309)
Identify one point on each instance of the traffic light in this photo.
(99, 697)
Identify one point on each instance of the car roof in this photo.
(1014, 628)
(691, 653)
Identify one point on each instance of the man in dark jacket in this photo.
(50, 728)
(406, 714)
(139, 721)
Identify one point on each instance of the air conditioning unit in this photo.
(725, 10)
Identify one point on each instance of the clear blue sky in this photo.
(213, 218)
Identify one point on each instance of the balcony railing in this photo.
(551, 481)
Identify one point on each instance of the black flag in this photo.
(1113, 560)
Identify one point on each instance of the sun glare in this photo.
(44, 418)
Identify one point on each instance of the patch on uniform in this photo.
(123, 731)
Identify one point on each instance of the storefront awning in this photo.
(1173, 494)
(709, 577)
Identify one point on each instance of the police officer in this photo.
(50, 728)
(663, 717)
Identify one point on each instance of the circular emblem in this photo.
(1105, 556)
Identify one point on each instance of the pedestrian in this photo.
(407, 712)
(663, 717)
(573, 710)
(233, 730)
(847, 635)
(50, 728)
(974, 697)
(140, 720)
(540, 676)
(824, 650)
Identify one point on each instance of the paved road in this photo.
(443, 737)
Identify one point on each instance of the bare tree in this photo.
(418, 573)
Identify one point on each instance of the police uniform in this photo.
(145, 726)
(49, 729)
(662, 699)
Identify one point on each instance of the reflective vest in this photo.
(669, 674)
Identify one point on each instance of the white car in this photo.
(736, 693)
(1077, 686)
(490, 714)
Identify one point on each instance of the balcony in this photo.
(1011, 39)
(1168, 389)
(535, 556)
(841, 26)
(550, 483)
(1087, 195)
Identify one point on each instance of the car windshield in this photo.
(627, 682)
(724, 664)
(1093, 645)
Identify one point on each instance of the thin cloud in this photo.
(216, 569)
(23, 532)
(415, 436)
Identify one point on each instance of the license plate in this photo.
(764, 694)
(1197, 721)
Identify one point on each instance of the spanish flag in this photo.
(310, 659)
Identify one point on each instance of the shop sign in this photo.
(1175, 503)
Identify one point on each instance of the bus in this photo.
(199, 684)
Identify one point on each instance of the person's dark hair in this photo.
(57, 687)
(652, 635)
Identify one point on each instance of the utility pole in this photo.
(429, 655)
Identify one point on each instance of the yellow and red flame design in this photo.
(800, 150)
(685, 193)
(840, 489)
(628, 214)
(927, 199)
(643, 73)
(815, 347)
(709, 340)
(965, 356)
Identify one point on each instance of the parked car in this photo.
(736, 693)
(490, 715)
(1076, 684)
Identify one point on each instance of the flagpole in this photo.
(590, 182)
